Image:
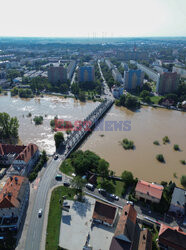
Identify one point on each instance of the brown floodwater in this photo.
(147, 125)
(48, 106)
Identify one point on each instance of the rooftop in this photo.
(11, 195)
(178, 197)
(172, 236)
(104, 212)
(151, 189)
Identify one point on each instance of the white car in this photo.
(114, 197)
(40, 212)
(130, 202)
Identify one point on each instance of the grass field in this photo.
(66, 167)
(155, 99)
(54, 217)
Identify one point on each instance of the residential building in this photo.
(104, 213)
(149, 191)
(133, 79)
(125, 66)
(160, 69)
(86, 73)
(178, 202)
(180, 71)
(57, 74)
(117, 75)
(21, 158)
(154, 76)
(168, 83)
(109, 64)
(172, 238)
(2, 74)
(70, 69)
(128, 235)
(117, 91)
(13, 203)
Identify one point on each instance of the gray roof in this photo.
(178, 197)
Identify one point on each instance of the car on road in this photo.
(55, 157)
(102, 191)
(66, 184)
(40, 212)
(58, 177)
(90, 186)
(114, 197)
(130, 202)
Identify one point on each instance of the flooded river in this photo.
(147, 125)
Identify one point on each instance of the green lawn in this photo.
(54, 217)
(66, 167)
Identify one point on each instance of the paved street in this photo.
(34, 233)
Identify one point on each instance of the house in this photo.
(127, 231)
(148, 191)
(128, 235)
(172, 238)
(104, 213)
(21, 158)
(13, 203)
(178, 202)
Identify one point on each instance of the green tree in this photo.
(122, 100)
(103, 168)
(108, 186)
(144, 94)
(78, 183)
(183, 180)
(160, 158)
(127, 177)
(58, 137)
(8, 126)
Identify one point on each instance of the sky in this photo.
(93, 18)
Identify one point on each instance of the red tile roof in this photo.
(128, 213)
(28, 152)
(173, 237)
(10, 193)
(9, 148)
(151, 189)
(104, 212)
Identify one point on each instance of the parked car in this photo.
(66, 184)
(114, 197)
(55, 157)
(102, 191)
(40, 212)
(90, 186)
(130, 202)
(58, 177)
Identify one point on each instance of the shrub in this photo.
(166, 139)
(160, 158)
(183, 180)
(156, 143)
(176, 147)
(38, 120)
(127, 144)
(183, 162)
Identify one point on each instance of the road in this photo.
(34, 233)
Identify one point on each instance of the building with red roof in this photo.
(149, 191)
(21, 158)
(172, 238)
(128, 235)
(104, 213)
(13, 202)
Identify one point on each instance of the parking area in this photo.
(76, 226)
